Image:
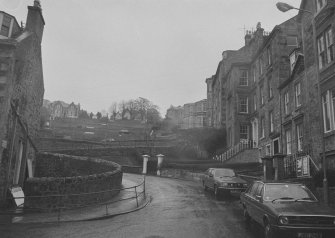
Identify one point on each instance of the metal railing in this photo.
(85, 210)
(234, 150)
(291, 165)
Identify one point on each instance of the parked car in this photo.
(287, 210)
(223, 181)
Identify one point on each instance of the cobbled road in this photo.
(179, 209)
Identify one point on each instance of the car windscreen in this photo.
(224, 173)
(287, 191)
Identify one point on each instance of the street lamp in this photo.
(284, 7)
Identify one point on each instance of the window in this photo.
(299, 136)
(298, 95)
(255, 102)
(254, 74)
(269, 55)
(325, 48)
(276, 146)
(271, 121)
(328, 108)
(292, 41)
(260, 66)
(244, 129)
(5, 25)
(244, 78)
(262, 128)
(243, 105)
(293, 59)
(230, 137)
(268, 149)
(286, 103)
(320, 4)
(261, 94)
(270, 88)
(288, 141)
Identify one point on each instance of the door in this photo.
(255, 133)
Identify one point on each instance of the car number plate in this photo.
(309, 235)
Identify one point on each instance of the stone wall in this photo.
(77, 181)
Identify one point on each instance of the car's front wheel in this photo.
(268, 231)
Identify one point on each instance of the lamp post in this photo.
(284, 7)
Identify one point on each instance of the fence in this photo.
(234, 150)
(292, 169)
(79, 211)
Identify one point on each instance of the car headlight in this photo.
(224, 184)
(283, 220)
(245, 185)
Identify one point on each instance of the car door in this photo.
(258, 204)
(249, 199)
(253, 201)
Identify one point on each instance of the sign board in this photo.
(18, 195)
(303, 166)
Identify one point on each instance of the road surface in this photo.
(179, 209)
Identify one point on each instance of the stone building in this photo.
(269, 68)
(60, 109)
(250, 78)
(318, 49)
(21, 96)
(175, 115)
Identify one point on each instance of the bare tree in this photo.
(113, 110)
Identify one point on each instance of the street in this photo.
(178, 209)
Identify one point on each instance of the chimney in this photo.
(248, 37)
(35, 21)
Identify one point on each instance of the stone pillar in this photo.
(145, 163)
(268, 168)
(159, 163)
(278, 164)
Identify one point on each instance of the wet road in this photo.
(179, 209)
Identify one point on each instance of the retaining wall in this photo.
(74, 181)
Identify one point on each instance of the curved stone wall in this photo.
(64, 181)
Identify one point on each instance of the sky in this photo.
(96, 52)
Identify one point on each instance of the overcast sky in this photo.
(96, 52)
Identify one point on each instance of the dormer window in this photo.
(5, 25)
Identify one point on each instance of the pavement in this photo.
(178, 208)
(111, 208)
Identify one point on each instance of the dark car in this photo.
(222, 181)
(287, 210)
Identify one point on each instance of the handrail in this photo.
(137, 193)
(234, 150)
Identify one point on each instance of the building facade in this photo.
(60, 109)
(21, 96)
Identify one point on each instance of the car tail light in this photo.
(283, 220)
